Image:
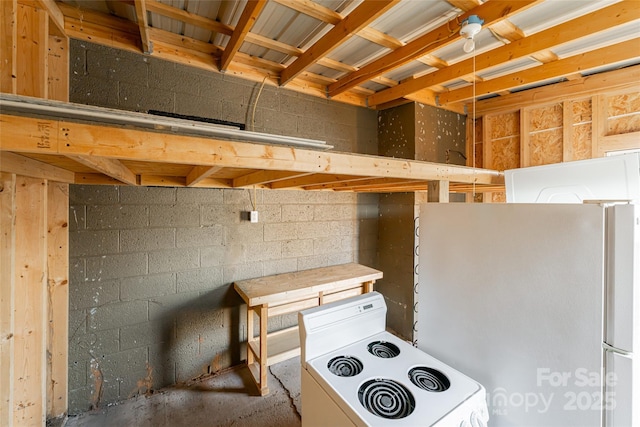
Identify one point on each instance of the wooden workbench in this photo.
(291, 292)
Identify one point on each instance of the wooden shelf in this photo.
(281, 345)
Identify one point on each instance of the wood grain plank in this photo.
(7, 296)
(354, 22)
(248, 17)
(58, 298)
(30, 302)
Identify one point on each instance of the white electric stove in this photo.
(354, 373)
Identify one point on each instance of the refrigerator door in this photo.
(620, 399)
(512, 295)
(606, 178)
(622, 325)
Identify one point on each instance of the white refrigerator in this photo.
(540, 303)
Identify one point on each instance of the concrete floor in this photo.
(228, 399)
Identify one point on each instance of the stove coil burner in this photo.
(383, 349)
(386, 398)
(345, 366)
(429, 379)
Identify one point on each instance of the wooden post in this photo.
(438, 192)
(58, 297)
(250, 335)
(8, 46)
(7, 277)
(58, 70)
(30, 320)
(32, 42)
(264, 317)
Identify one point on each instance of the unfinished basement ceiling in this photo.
(373, 53)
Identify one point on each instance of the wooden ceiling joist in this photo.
(199, 173)
(583, 62)
(110, 167)
(247, 19)
(592, 23)
(362, 82)
(188, 18)
(143, 24)
(364, 14)
(492, 11)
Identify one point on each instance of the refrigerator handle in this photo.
(613, 349)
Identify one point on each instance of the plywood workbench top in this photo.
(286, 287)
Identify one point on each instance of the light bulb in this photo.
(469, 45)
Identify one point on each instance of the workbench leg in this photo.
(368, 286)
(250, 335)
(263, 349)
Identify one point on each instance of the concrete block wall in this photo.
(112, 78)
(421, 132)
(151, 297)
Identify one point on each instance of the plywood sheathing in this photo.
(580, 120)
(623, 113)
(544, 135)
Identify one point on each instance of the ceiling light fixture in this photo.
(469, 28)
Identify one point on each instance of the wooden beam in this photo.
(110, 167)
(578, 63)
(313, 180)
(7, 296)
(8, 47)
(122, 34)
(21, 165)
(80, 139)
(369, 182)
(245, 23)
(188, 17)
(265, 177)
(100, 28)
(183, 42)
(626, 78)
(143, 25)
(492, 11)
(380, 38)
(355, 21)
(198, 173)
(601, 20)
(268, 43)
(58, 298)
(313, 9)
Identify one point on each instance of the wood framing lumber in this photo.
(21, 165)
(492, 11)
(592, 23)
(79, 139)
(109, 167)
(198, 173)
(354, 22)
(578, 63)
(143, 25)
(248, 17)
(626, 78)
(57, 298)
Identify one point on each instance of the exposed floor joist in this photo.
(103, 153)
